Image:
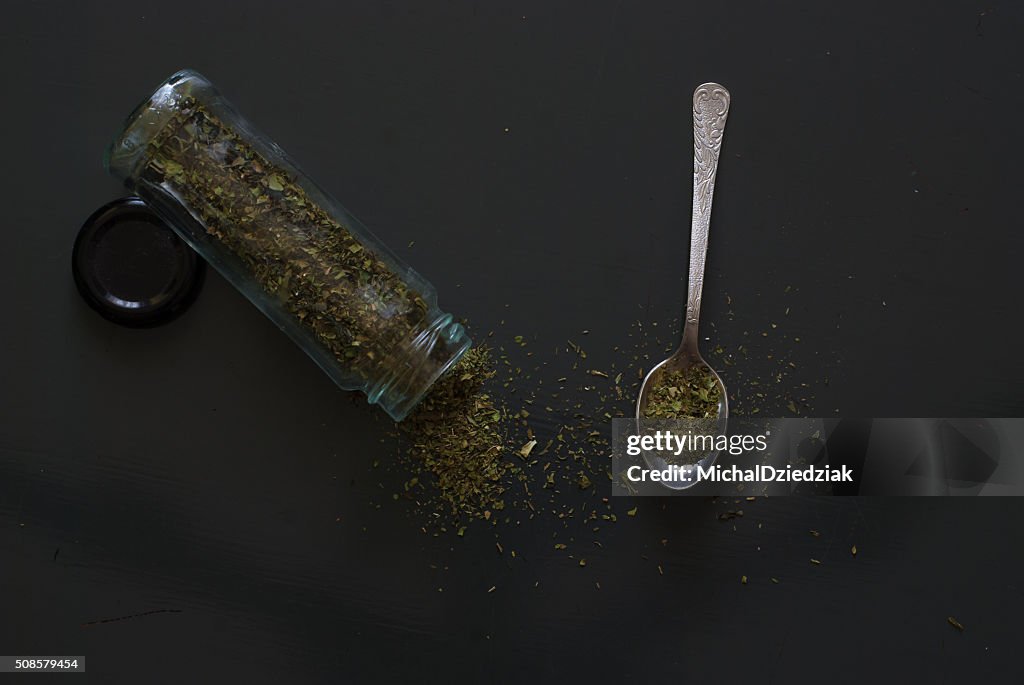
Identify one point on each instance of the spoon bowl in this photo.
(685, 477)
(710, 111)
(680, 361)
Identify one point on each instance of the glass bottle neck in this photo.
(415, 363)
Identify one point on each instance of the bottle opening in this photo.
(417, 364)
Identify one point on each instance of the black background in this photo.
(539, 155)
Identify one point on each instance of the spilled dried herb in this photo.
(457, 436)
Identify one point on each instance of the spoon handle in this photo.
(710, 110)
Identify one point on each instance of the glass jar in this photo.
(368, 320)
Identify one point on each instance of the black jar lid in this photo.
(132, 268)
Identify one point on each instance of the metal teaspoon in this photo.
(710, 111)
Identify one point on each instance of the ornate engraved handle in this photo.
(710, 110)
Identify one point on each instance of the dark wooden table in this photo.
(207, 486)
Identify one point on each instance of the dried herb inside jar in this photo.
(347, 297)
(693, 393)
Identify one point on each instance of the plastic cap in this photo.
(132, 268)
